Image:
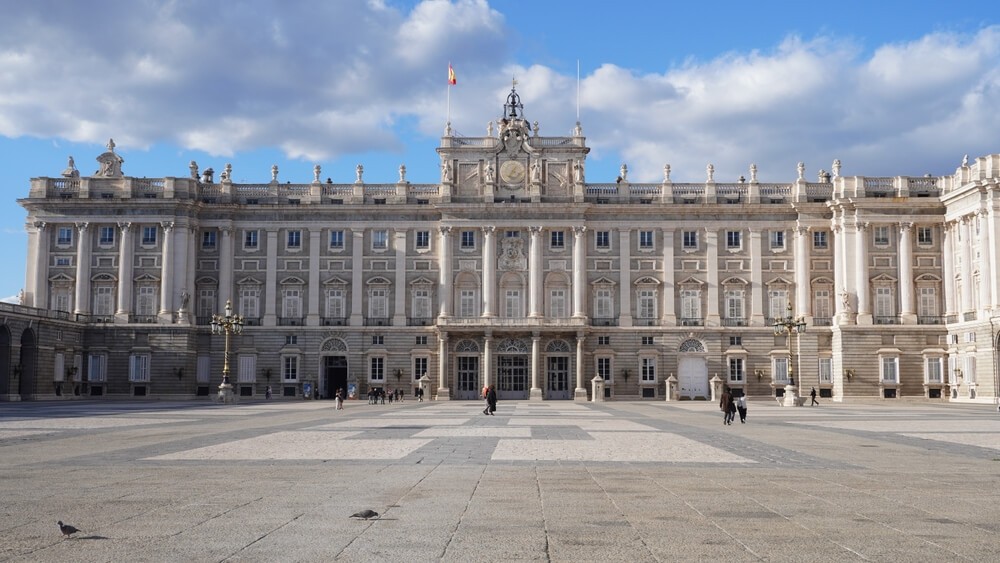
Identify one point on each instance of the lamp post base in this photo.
(791, 397)
(226, 394)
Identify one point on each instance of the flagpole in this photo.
(578, 89)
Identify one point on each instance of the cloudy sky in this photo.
(888, 87)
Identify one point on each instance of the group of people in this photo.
(490, 395)
(377, 395)
(730, 404)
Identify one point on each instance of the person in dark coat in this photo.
(812, 395)
(491, 400)
(727, 405)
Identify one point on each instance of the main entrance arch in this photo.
(28, 364)
(333, 368)
(692, 370)
(512, 369)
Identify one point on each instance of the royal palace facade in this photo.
(513, 270)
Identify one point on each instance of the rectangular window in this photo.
(104, 298)
(420, 341)
(819, 239)
(647, 340)
(335, 303)
(294, 239)
(646, 304)
(646, 239)
(884, 302)
(97, 368)
(291, 339)
(247, 368)
(881, 236)
(292, 304)
(777, 240)
(138, 368)
(822, 304)
(149, 236)
(208, 240)
(422, 303)
(734, 304)
(736, 341)
(733, 239)
(511, 234)
(145, 300)
(380, 240)
(248, 302)
(825, 368)
(890, 369)
(557, 239)
(925, 236)
(927, 306)
(604, 368)
(467, 303)
(378, 339)
(423, 240)
(604, 341)
(203, 371)
(512, 303)
(290, 368)
(337, 239)
(420, 366)
(689, 240)
(934, 370)
(602, 239)
(376, 369)
(603, 304)
(736, 374)
(647, 370)
(557, 304)
(106, 236)
(378, 306)
(780, 370)
(65, 236)
(690, 304)
(468, 240)
(206, 302)
(250, 239)
(778, 303)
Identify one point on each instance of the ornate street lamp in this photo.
(227, 324)
(787, 325)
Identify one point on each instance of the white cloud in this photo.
(12, 299)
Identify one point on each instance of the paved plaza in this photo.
(550, 481)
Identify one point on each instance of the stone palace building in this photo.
(513, 270)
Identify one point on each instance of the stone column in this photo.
(669, 287)
(488, 360)
(166, 313)
(180, 258)
(580, 394)
(443, 392)
(312, 308)
(802, 269)
(985, 283)
(126, 242)
(535, 272)
(579, 272)
(625, 277)
(536, 342)
(399, 294)
(36, 275)
(993, 226)
(757, 290)
(489, 271)
(444, 269)
(966, 274)
(712, 276)
(948, 248)
(907, 311)
(226, 258)
(861, 273)
(82, 296)
(271, 277)
(357, 279)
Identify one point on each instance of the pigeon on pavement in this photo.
(366, 514)
(66, 529)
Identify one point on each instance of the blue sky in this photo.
(890, 88)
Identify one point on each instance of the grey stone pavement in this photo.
(550, 481)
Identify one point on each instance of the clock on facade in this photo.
(512, 172)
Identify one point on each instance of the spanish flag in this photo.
(451, 75)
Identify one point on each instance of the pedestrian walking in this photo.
(741, 406)
(267, 393)
(485, 396)
(340, 399)
(812, 395)
(491, 400)
(727, 406)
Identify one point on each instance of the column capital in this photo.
(125, 227)
(445, 230)
(535, 231)
(358, 232)
(226, 230)
(488, 229)
(579, 230)
(801, 230)
(39, 225)
(905, 226)
(861, 226)
(82, 227)
(167, 226)
(399, 233)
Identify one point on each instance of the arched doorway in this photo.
(334, 369)
(467, 370)
(692, 371)
(512, 369)
(28, 365)
(557, 372)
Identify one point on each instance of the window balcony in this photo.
(734, 322)
(419, 321)
(142, 319)
(886, 320)
(203, 320)
(604, 321)
(822, 321)
(645, 322)
(930, 320)
(970, 316)
(334, 321)
(251, 321)
(517, 322)
(378, 321)
(290, 321)
(95, 318)
(692, 322)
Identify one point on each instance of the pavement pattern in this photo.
(540, 481)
